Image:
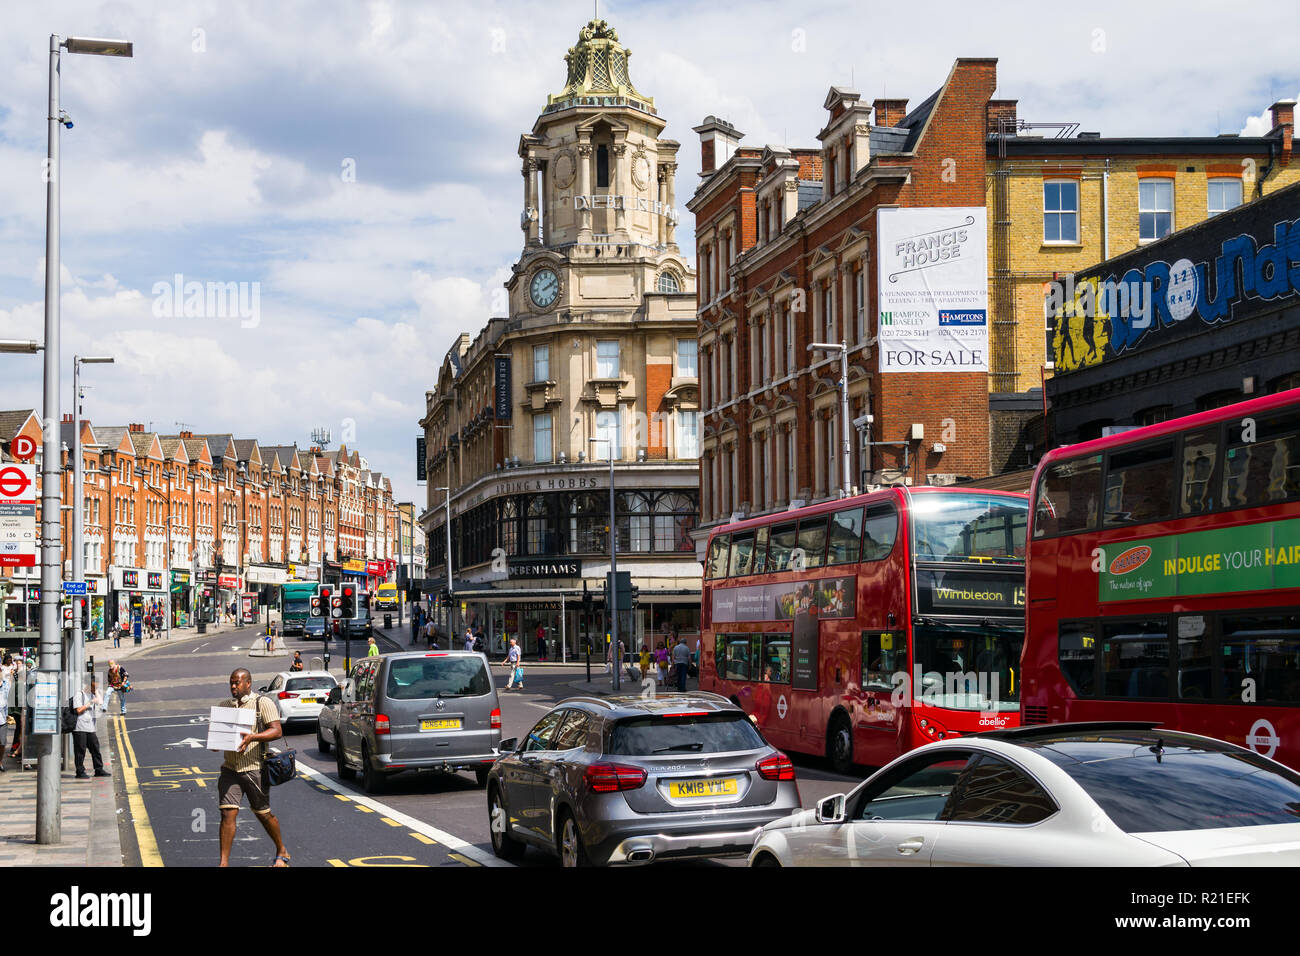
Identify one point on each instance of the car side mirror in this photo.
(831, 809)
(508, 745)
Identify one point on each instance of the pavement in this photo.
(88, 808)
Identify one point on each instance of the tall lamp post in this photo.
(77, 662)
(49, 828)
(616, 659)
(447, 505)
(845, 483)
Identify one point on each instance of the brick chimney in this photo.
(1000, 110)
(67, 418)
(889, 112)
(718, 141)
(135, 427)
(187, 435)
(1284, 118)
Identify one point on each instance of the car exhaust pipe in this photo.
(640, 855)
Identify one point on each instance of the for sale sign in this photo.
(17, 515)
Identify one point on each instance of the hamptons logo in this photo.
(208, 300)
(964, 317)
(75, 909)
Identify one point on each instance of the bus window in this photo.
(812, 541)
(884, 654)
(776, 658)
(1266, 467)
(969, 527)
(1068, 496)
(742, 547)
(1261, 658)
(737, 656)
(1135, 658)
(1195, 658)
(1200, 455)
(1077, 653)
(1139, 484)
(845, 537)
(779, 546)
(758, 564)
(719, 550)
(878, 532)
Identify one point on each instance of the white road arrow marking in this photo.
(192, 742)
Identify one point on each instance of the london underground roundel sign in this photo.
(23, 447)
(16, 483)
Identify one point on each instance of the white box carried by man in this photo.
(227, 725)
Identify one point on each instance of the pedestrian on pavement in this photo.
(541, 641)
(118, 682)
(417, 622)
(431, 633)
(513, 661)
(469, 638)
(681, 662)
(242, 770)
(87, 704)
(6, 684)
(297, 661)
(373, 649)
(119, 633)
(16, 700)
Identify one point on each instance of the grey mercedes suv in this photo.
(631, 780)
(417, 711)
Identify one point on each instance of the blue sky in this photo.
(219, 153)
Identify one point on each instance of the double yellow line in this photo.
(144, 838)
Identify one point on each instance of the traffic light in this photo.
(316, 607)
(636, 593)
(67, 615)
(349, 604)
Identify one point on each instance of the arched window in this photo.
(602, 167)
(509, 525)
(667, 283)
(676, 514)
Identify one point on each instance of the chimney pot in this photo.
(889, 112)
(1284, 117)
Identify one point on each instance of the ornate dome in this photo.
(598, 73)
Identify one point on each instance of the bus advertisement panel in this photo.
(1164, 578)
(864, 627)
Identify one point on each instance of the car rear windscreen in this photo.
(712, 734)
(417, 678)
(1183, 788)
(309, 683)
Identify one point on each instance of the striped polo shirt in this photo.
(251, 758)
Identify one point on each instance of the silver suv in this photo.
(631, 780)
(417, 711)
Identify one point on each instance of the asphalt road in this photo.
(424, 819)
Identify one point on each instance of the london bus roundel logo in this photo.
(781, 707)
(14, 483)
(1263, 738)
(1130, 560)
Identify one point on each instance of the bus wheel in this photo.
(839, 744)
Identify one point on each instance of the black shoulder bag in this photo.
(276, 768)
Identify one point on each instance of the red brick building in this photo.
(787, 253)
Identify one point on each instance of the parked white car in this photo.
(299, 695)
(1097, 794)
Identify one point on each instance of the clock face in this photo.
(544, 288)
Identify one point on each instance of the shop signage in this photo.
(228, 581)
(420, 458)
(154, 581)
(130, 580)
(555, 568)
(546, 483)
(830, 597)
(259, 575)
(355, 565)
(180, 577)
(1258, 557)
(502, 391)
(377, 568)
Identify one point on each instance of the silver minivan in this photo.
(417, 710)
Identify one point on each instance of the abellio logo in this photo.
(1130, 560)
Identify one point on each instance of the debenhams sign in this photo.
(544, 569)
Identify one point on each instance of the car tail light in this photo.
(286, 694)
(776, 767)
(381, 724)
(435, 654)
(688, 713)
(612, 777)
(495, 719)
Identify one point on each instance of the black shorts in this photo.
(232, 786)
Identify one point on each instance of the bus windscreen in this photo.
(969, 527)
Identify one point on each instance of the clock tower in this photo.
(598, 219)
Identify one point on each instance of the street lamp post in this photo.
(447, 505)
(845, 483)
(77, 658)
(615, 659)
(49, 827)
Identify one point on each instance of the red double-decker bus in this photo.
(864, 627)
(1164, 578)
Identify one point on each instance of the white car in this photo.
(299, 695)
(1084, 794)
